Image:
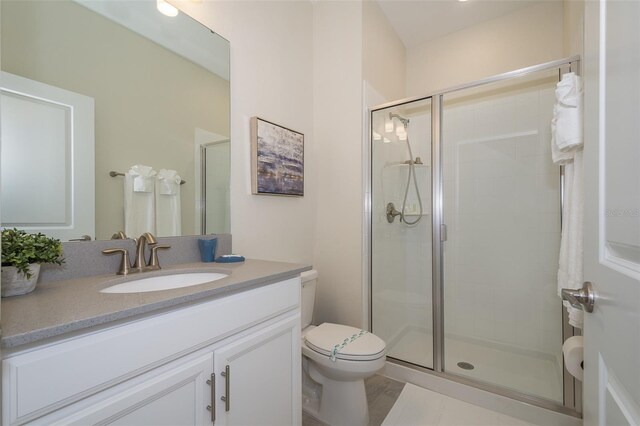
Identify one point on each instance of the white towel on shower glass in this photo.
(571, 255)
(566, 148)
(569, 112)
(139, 203)
(168, 214)
(566, 125)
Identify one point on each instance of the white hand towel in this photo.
(566, 149)
(557, 155)
(139, 204)
(143, 178)
(168, 207)
(568, 112)
(571, 255)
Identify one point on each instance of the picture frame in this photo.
(277, 159)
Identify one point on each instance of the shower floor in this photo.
(529, 373)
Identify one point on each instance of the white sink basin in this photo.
(164, 282)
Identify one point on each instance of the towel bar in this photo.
(114, 174)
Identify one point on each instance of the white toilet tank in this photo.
(309, 281)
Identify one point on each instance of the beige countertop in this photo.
(61, 307)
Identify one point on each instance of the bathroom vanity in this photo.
(226, 352)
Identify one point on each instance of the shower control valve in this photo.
(392, 213)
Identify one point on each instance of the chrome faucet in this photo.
(146, 238)
(139, 266)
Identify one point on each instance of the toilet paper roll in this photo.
(573, 352)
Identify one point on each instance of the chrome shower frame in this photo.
(572, 389)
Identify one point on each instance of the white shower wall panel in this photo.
(502, 208)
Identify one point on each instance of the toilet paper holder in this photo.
(583, 298)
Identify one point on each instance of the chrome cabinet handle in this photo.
(583, 298)
(83, 238)
(212, 382)
(227, 395)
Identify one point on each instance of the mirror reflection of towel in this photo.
(169, 182)
(143, 178)
(168, 207)
(139, 205)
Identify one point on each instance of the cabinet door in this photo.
(177, 394)
(260, 384)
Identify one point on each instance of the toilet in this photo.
(335, 361)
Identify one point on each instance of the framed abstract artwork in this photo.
(277, 159)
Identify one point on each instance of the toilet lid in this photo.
(360, 346)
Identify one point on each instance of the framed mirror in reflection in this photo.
(94, 87)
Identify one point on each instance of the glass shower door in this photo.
(501, 195)
(401, 231)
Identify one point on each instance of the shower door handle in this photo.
(583, 298)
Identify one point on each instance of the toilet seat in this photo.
(364, 346)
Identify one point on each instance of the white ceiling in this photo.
(417, 21)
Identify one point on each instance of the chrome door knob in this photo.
(583, 298)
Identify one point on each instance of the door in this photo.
(501, 205)
(258, 377)
(401, 230)
(212, 168)
(612, 212)
(47, 159)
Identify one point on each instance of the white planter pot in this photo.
(15, 283)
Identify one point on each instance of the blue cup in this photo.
(208, 249)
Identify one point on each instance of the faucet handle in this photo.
(154, 263)
(120, 235)
(125, 266)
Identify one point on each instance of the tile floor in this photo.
(531, 374)
(392, 403)
(418, 406)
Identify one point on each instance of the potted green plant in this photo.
(22, 255)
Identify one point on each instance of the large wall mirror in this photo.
(91, 89)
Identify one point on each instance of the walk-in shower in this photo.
(464, 284)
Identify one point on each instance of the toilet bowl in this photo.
(336, 361)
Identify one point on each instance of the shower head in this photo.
(404, 121)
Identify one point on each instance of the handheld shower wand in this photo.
(391, 211)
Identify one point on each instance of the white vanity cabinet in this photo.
(158, 370)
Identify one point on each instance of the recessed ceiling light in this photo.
(166, 9)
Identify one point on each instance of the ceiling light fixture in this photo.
(166, 9)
